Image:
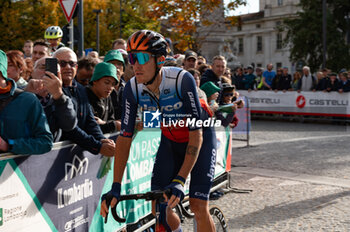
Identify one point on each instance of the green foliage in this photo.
(177, 19)
(305, 34)
(23, 20)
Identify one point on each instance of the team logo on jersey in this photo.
(151, 119)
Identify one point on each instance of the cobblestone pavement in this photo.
(281, 203)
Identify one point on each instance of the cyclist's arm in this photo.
(192, 106)
(123, 143)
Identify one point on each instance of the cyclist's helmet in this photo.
(53, 32)
(147, 40)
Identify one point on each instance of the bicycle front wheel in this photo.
(219, 219)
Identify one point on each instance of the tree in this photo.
(304, 34)
(180, 18)
(23, 20)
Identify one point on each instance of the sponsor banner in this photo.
(59, 191)
(303, 103)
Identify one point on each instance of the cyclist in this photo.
(53, 35)
(182, 150)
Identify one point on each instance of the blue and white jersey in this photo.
(178, 99)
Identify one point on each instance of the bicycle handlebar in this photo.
(149, 196)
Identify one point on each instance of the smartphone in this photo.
(51, 65)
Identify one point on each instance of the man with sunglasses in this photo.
(182, 150)
(87, 134)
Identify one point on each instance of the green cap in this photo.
(3, 64)
(210, 88)
(104, 69)
(113, 55)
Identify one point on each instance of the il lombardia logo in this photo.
(154, 119)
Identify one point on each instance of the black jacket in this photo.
(102, 108)
(87, 134)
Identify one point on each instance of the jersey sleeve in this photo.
(190, 98)
(129, 112)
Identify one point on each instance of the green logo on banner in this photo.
(1, 218)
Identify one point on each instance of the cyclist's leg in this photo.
(202, 176)
(168, 162)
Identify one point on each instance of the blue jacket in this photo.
(23, 124)
(87, 134)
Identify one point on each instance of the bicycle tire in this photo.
(218, 218)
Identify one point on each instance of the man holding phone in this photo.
(46, 83)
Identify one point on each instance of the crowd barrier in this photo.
(59, 190)
(329, 104)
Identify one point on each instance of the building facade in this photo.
(255, 41)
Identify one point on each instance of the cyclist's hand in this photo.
(177, 191)
(115, 194)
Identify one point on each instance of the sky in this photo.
(251, 7)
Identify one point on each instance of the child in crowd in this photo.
(102, 84)
(212, 93)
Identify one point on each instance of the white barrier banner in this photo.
(303, 103)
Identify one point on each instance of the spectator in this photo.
(321, 81)
(196, 75)
(190, 60)
(203, 68)
(24, 128)
(333, 83)
(201, 60)
(296, 79)
(237, 78)
(286, 80)
(16, 68)
(119, 44)
(180, 60)
(59, 108)
(93, 55)
(282, 81)
(217, 70)
(128, 70)
(227, 96)
(258, 79)
(227, 73)
(170, 62)
(99, 93)
(29, 68)
(344, 83)
(40, 49)
(248, 80)
(115, 57)
(87, 134)
(85, 70)
(53, 35)
(307, 81)
(28, 49)
(268, 76)
(212, 93)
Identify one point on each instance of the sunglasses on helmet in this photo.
(141, 57)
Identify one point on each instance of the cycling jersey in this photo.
(178, 99)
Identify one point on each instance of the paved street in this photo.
(300, 177)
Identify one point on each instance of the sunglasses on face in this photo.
(141, 57)
(64, 63)
(228, 94)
